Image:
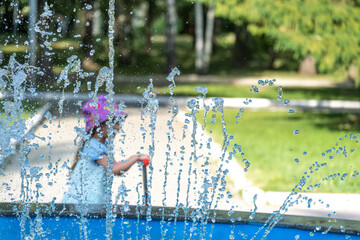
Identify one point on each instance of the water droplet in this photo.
(296, 160)
(286, 101)
(304, 153)
(296, 132)
(255, 89)
(261, 82)
(343, 176)
(280, 93)
(92, 52)
(202, 90)
(291, 111)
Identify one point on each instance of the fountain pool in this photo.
(63, 223)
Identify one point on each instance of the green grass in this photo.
(269, 144)
(226, 90)
(29, 107)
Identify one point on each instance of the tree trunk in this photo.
(171, 30)
(272, 57)
(199, 37)
(204, 45)
(353, 75)
(123, 32)
(97, 20)
(149, 21)
(307, 66)
(87, 39)
(210, 19)
(45, 61)
(32, 34)
(15, 16)
(7, 17)
(217, 31)
(241, 42)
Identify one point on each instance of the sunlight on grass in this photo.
(66, 44)
(14, 48)
(269, 144)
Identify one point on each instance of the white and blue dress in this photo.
(87, 183)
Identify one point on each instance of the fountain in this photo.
(184, 189)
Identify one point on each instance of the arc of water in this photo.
(152, 106)
(174, 112)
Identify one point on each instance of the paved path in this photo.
(248, 81)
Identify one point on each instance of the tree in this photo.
(87, 38)
(327, 31)
(204, 42)
(124, 32)
(149, 21)
(171, 30)
(7, 19)
(43, 29)
(199, 36)
(15, 16)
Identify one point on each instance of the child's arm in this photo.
(123, 166)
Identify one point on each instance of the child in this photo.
(87, 183)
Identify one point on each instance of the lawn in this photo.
(225, 90)
(279, 158)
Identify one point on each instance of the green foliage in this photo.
(328, 30)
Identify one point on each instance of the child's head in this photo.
(96, 115)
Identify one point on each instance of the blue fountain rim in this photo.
(170, 213)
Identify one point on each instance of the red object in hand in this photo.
(145, 161)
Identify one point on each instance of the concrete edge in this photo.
(333, 106)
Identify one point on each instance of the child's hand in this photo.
(145, 159)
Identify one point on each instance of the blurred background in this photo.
(311, 47)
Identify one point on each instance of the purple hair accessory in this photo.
(98, 114)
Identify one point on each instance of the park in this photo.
(249, 112)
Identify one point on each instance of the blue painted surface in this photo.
(69, 228)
